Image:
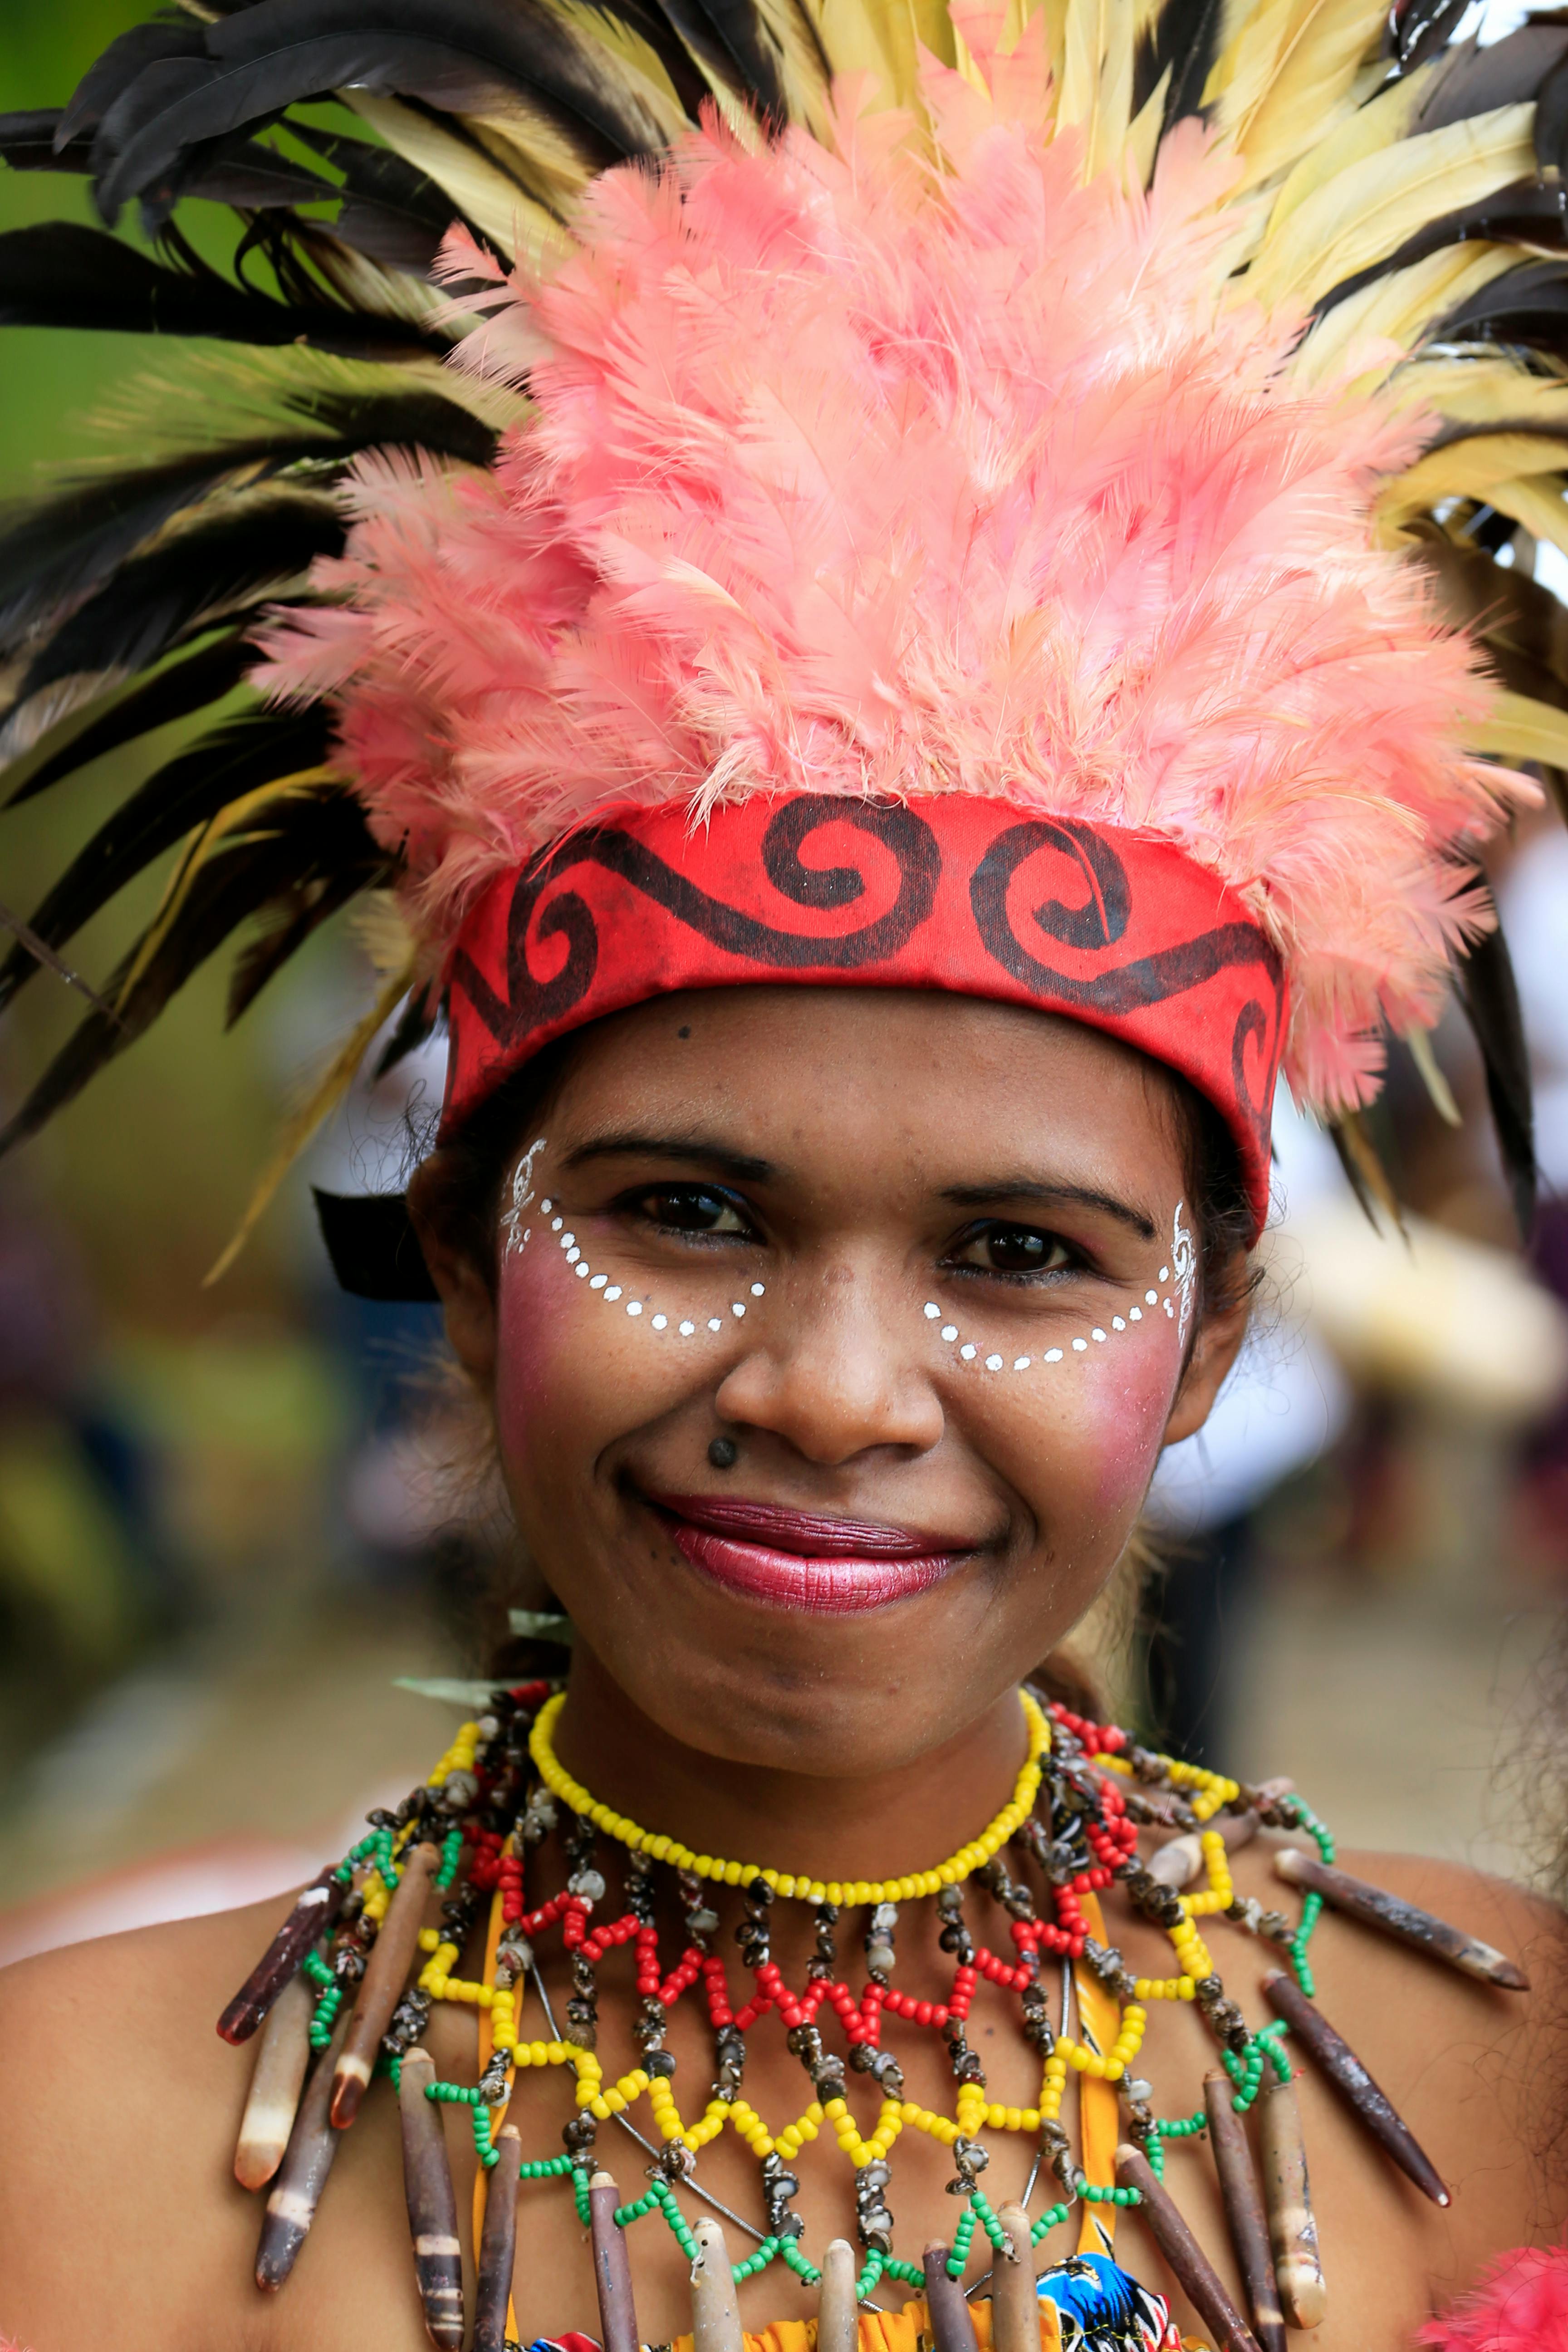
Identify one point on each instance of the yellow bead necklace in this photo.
(951, 1872)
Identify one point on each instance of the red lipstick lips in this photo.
(797, 1560)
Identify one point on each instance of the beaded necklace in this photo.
(1084, 1791)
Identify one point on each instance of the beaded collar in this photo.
(1070, 1833)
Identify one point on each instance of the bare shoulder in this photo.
(123, 2101)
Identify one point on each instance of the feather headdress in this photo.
(1105, 413)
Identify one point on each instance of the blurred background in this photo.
(232, 1516)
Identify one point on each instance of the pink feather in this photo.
(1521, 2305)
(850, 473)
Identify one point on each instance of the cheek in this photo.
(540, 1346)
(1132, 1408)
(1083, 1452)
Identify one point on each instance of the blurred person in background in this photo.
(876, 765)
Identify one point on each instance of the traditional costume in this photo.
(747, 491)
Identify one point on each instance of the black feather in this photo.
(1487, 989)
(1473, 80)
(1526, 212)
(389, 211)
(1552, 121)
(202, 677)
(741, 50)
(122, 63)
(64, 274)
(28, 143)
(474, 57)
(291, 838)
(235, 553)
(249, 175)
(188, 791)
(1184, 37)
(1524, 625)
(59, 549)
(291, 920)
(1368, 1178)
(1529, 306)
(1417, 29)
(420, 1012)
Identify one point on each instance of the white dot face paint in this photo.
(1177, 1307)
(608, 1292)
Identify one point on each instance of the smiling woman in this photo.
(936, 1346)
(891, 689)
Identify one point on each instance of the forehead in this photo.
(917, 1078)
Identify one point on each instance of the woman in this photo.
(924, 720)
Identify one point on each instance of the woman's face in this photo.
(922, 1264)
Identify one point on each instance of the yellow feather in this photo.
(1096, 78)
(321, 1102)
(1143, 137)
(1398, 309)
(883, 42)
(520, 228)
(1278, 116)
(1082, 49)
(1519, 727)
(1365, 213)
(1537, 507)
(1379, 124)
(1490, 391)
(1472, 468)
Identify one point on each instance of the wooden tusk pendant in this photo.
(837, 2314)
(314, 1914)
(951, 2326)
(302, 2176)
(715, 2307)
(432, 2204)
(1014, 2300)
(498, 2246)
(1353, 2084)
(1292, 2225)
(381, 1987)
(1190, 2267)
(1244, 2211)
(1405, 1921)
(282, 2062)
(612, 2271)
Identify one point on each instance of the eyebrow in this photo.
(706, 1150)
(1029, 1188)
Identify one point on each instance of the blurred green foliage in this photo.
(151, 1168)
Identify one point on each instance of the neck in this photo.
(858, 1824)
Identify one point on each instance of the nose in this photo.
(837, 1375)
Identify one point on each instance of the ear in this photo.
(467, 1298)
(1215, 1350)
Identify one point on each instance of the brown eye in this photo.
(1013, 1249)
(692, 1209)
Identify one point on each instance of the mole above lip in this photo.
(812, 1534)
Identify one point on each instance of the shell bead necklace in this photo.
(358, 1939)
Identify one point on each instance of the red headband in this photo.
(1121, 931)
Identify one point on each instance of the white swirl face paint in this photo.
(1184, 1259)
(521, 1198)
